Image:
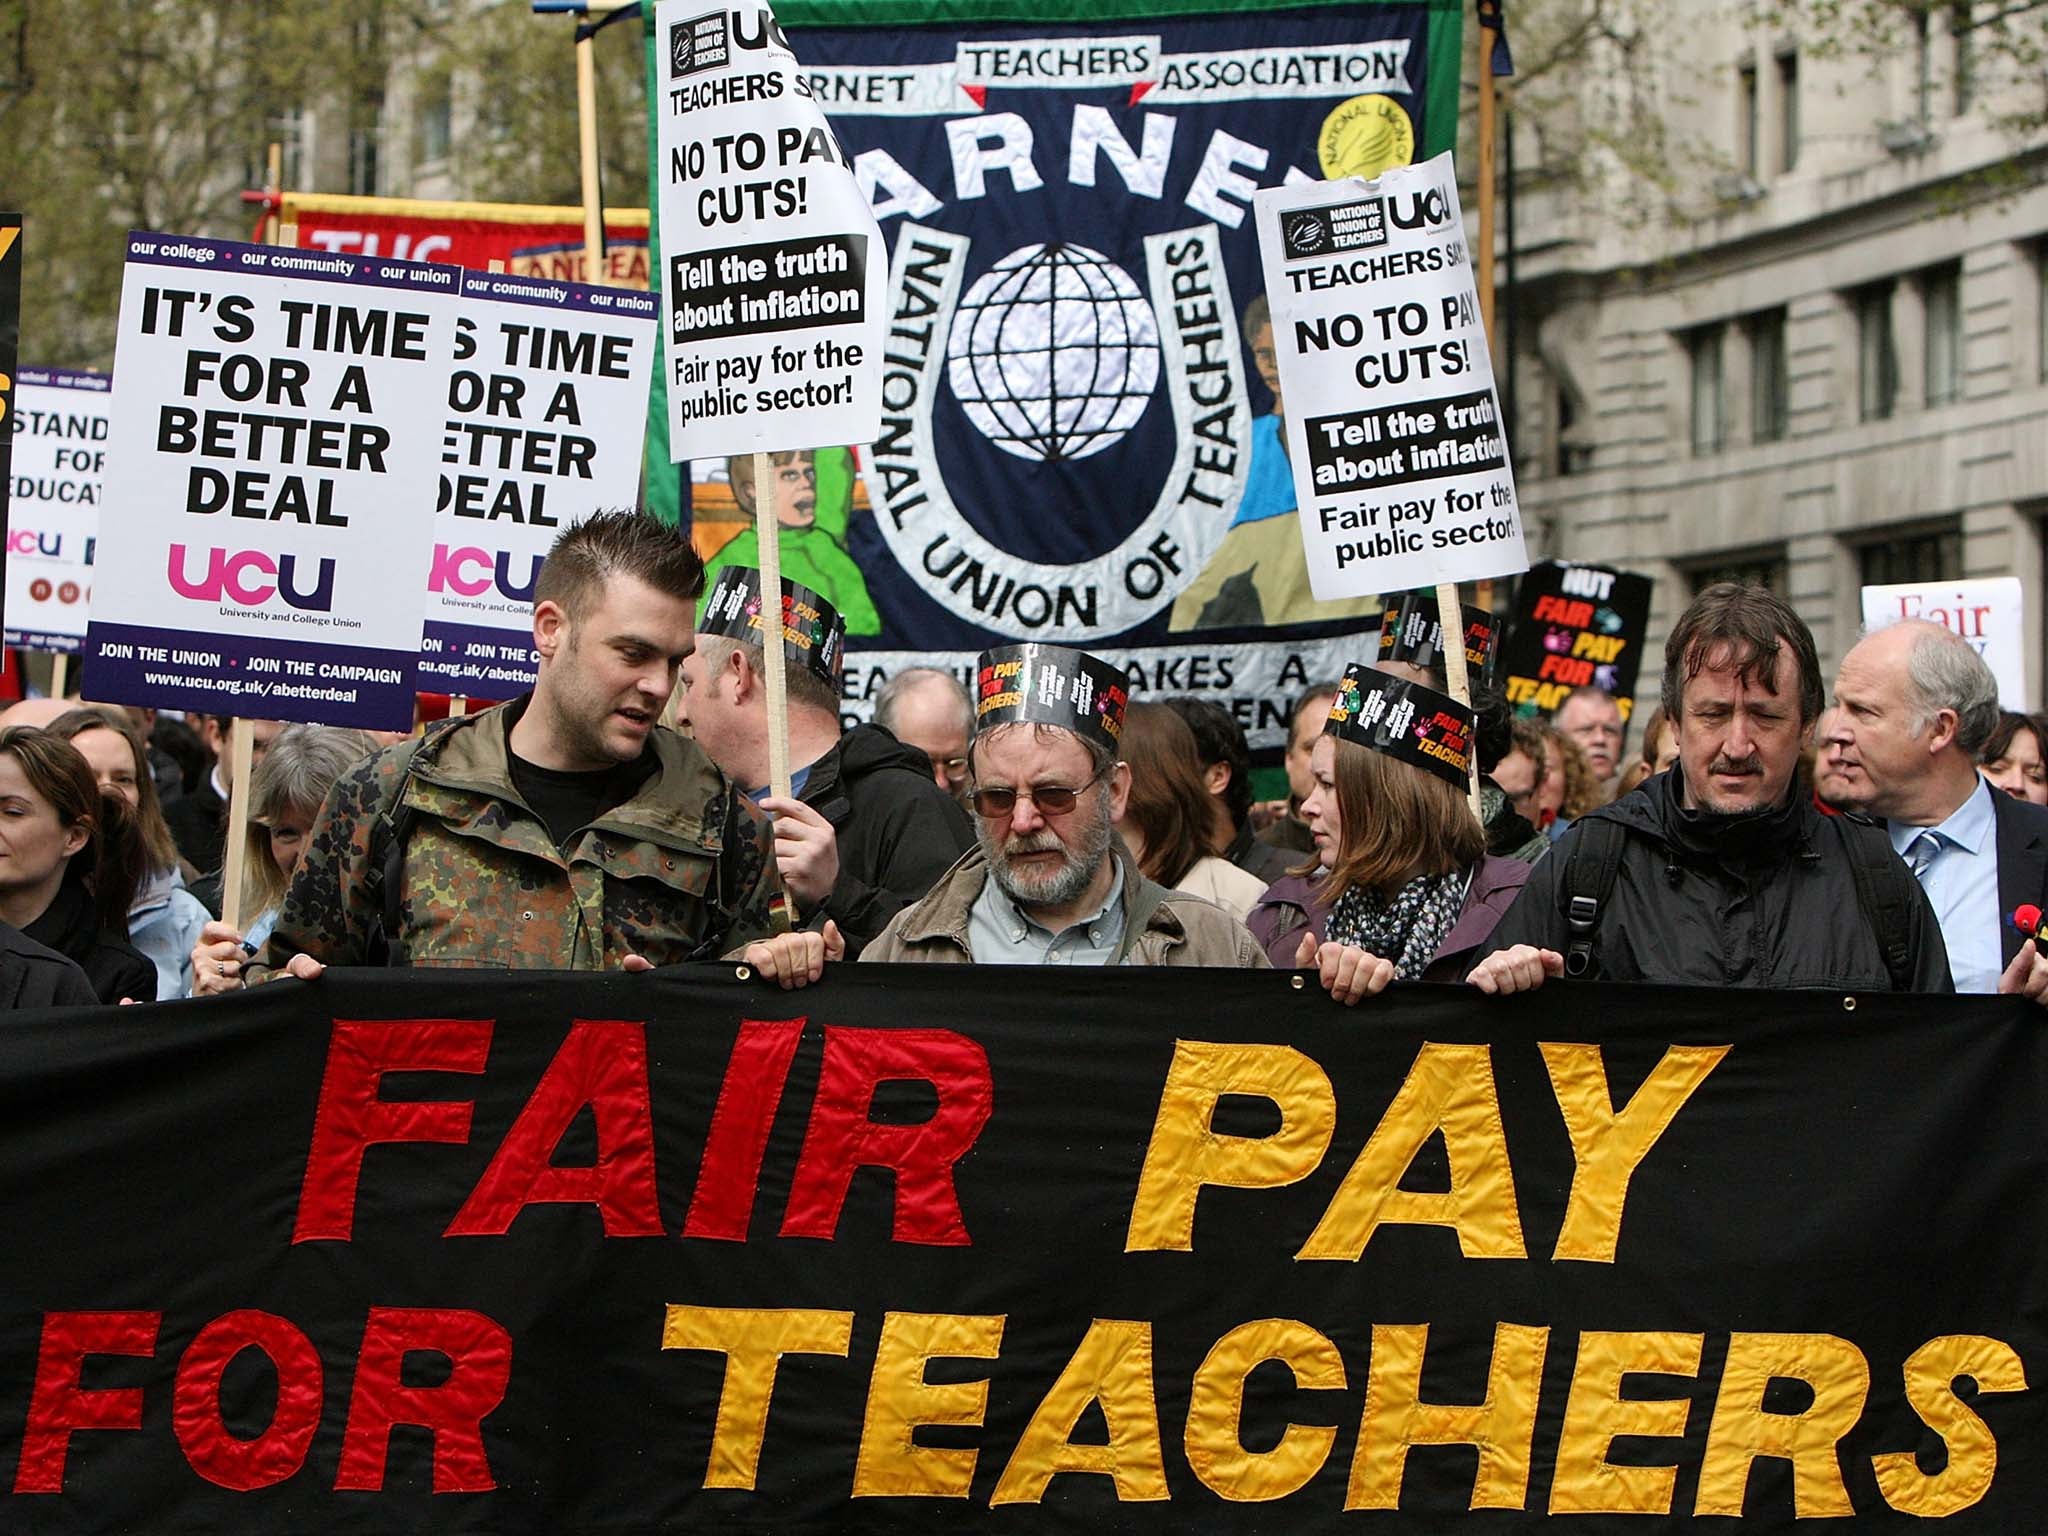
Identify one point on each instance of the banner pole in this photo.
(772, 660)
(242, 735)
(458, 705)
(586, 126)
(1482, 269)
(241, 747)
(60, 675)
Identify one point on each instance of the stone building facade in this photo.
(1838, 375)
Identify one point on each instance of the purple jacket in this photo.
(1291, 908)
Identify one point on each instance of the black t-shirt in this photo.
(568, 801)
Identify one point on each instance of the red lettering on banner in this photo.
(841, 1137)
(722, 1207)
(214, 1452)
(351, 1117)
(58, 1405)
(602, 1064)
(479, 1354)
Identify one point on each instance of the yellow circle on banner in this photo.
(1365, 136)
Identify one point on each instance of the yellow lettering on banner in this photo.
(1185, 1153)
(1112, 1368)
(1596, 1414)
(1607, 1147)
(891, 1464)
(1216, 1405)
(1503, 1426)
(7, 238)
(753, 1342)
(1742, 1430)
(1931, 1372)
(1449, 1089)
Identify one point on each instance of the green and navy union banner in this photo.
(1081, 437)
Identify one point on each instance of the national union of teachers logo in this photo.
(1054, 352)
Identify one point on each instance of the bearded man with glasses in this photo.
(1049, 882)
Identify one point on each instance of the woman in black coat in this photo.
(70, 858)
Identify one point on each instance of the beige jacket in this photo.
(1172, 928)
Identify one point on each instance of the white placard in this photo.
(546, 416)
(1394, 427)
(1990, 614)
(774, 270)
(60, 421)
(269, 513)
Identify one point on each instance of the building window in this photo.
(1941, 295)
(1788, 111)
(1923, 69)
(1964, 82)
(1767, 569)
(1933, 555)
(1877, 353)
(1574, 455)
(1769, 377)
(435, 117)
(1703, 352)
(362, 162)
(1746, 114)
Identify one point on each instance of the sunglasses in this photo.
(1051, 799)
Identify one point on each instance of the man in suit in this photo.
(1913, 704)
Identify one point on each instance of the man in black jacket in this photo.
(869, 830)
(1721, 872)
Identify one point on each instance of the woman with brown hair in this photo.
(1167, 821)
(70, 860)
(165, 920)
(1407, 891)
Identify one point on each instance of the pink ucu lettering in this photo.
(470, 572)
(248, 577)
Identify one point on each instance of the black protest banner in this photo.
(1575, 626)
(1143, 1251)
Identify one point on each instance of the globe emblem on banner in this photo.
(1054, 352)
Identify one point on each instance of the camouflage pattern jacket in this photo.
(483, 884)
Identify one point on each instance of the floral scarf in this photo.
(1407, 928)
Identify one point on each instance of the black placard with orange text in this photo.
(1575, 626)
(1150, 1251)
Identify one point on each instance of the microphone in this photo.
(2027, 918)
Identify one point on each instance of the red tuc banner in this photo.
(522, 238)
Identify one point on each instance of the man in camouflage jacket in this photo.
(566, 830)
(483, 883)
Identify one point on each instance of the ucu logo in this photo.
(24, 541)
(471, 572)
(1419, 210)
(248, 577)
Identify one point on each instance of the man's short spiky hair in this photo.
(618, 543)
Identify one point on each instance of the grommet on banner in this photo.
(1295, 981)
(1848, 1005)
(743, 972)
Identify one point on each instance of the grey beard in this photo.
(1082, 861)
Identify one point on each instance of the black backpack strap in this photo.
(1886, 891)
(1589, 876)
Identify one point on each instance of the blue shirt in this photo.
(1000, 933)
(1961, 880)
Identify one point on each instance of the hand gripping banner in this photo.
(1143, 1251)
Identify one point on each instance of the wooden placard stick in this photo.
(774, 669)
(241, 748)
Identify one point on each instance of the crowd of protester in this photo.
(1771, 827)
